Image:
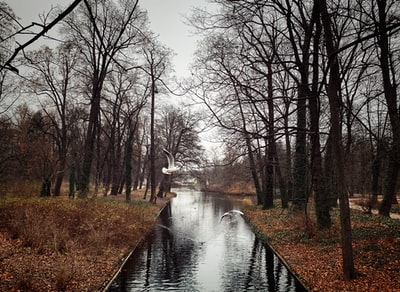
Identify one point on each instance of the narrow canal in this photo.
(192, 249)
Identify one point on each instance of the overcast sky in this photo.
(166, 20)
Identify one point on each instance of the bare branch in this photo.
(46, 28)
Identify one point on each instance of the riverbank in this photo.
(58, 244)
(314, 256)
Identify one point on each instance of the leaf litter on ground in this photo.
(314, 256)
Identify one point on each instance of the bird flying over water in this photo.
(231, 214)
(171, 164)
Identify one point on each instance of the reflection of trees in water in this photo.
(177, 255)
(234, 259)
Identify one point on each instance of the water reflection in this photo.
(192, 250)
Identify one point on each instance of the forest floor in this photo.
(314, 256)
(59, 244)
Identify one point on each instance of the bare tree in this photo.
(335, 107)
(156, 65)
(178, 135)
(126, 97)
(52, 77)
(102, 30)
(388, 64)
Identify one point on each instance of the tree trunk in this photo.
(128, 167)
(61, 167)
(90, 143)
(59, 178)
(288, 154)
(322, 207)
(163, 186)
(138, 168)
(46, 186)
(253, 171)
(390, 93)
(334, 106)
(281, 181)
(250, 153)
(116, 177)
(72, 182)
(269, 200)
(153, 197)
(375, 170)
(389, 192)
(300, 156)
(330, 174)
(269, 178)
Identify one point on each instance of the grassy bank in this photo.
(315, 256)
(58, 244)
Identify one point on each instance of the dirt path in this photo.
(355, 206)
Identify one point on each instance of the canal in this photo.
(192, 249)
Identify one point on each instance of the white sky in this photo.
(166, 20)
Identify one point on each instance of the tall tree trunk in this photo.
(72, 181)
(300, 156)
(269, 200)
(322, 207)
(288, 155)
(128, 167)
(116, 177)
(335, 106)
(253, 170)
(250, 153)
(390, 93)
(60, 175)
(283, 191)
(330, 174)
(153, 197)
(375, 170)
(138, 168)
(62, 154)
(90, 141)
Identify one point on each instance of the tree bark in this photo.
(153, 197)
(128, 167)
(390, 93)
(322, 207)
(90, 141)
(269, 200)
(300, 156)
(335, 106)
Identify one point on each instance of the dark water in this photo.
(193, 250)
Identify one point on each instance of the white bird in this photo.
(231, 214)
(171, 164)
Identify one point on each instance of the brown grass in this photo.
(58, 244)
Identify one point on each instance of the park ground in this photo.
(61, 244)
(315, 256)
(58, 244)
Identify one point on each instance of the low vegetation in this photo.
(58, 244)
(315, 255)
